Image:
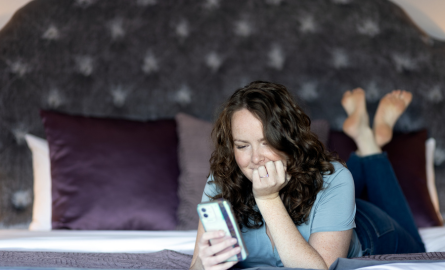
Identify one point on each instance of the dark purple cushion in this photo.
(406, 152)
(110, 174)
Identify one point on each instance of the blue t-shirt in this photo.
(333, 210)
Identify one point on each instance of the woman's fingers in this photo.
(262, 172)
(212, 261)
(276, 172)
(270, 166)
(272, 172)
(216, 248)
(205, 238)
(213, 256)
(256, 177)
(288, 177)
(222, 266)
(280, 170)
(269, 186)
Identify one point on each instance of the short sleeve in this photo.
(210, 190)
(335, 209)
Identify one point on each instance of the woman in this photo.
(294, 200)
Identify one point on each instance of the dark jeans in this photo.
(384, 223)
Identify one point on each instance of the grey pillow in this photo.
(195, 149)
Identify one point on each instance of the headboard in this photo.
(150, 59)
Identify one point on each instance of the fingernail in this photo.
(237, 249)
(233, 241)
(221, 233)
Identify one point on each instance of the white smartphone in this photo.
(218, 215)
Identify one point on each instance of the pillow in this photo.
(110, 174)
(195, 149)
(41, 211)
(430, 175)
(321, 128)
(406, 152)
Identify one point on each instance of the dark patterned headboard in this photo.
(149, 59)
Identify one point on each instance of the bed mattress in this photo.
(137, 241)
(98, 241)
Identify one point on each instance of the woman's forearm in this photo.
(294, 250)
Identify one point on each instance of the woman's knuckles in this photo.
(210, 261)
(202, 255)
(205, 262)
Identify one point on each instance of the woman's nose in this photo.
(257, 156)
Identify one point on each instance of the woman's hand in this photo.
(268, 180)
(212, 256)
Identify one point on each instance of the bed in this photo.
(106, 108)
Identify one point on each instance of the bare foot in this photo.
(391, 106)
(356, 125)
(355, 106)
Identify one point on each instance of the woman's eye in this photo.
(240, 146)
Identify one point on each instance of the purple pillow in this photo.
(321, 128)
(406, 152)
(110, 174)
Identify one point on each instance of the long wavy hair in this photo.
(286, 128)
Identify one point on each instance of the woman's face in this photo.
(250, 147)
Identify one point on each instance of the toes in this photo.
(394, 93)
(403, 94)
(359, 92)
(406, 97)
(345, 101)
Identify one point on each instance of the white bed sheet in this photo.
(434, 238)
(137, 241)
(98, 241)
(407, 266)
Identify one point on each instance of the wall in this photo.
(428, 14)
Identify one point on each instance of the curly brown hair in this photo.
(286, 129)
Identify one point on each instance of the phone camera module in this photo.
(203, 209)
(205, 215)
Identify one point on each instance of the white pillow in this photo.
(430, 146)
(41, 211)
